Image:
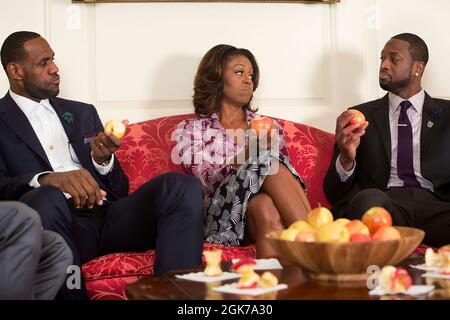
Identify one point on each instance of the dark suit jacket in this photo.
(22, 156)
(373, 156)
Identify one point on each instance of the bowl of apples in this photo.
(343, 250)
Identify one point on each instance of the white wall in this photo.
(138, 60)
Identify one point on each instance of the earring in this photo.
(417, 74)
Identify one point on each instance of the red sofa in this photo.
(145, 153)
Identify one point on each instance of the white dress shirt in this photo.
(53, 138)
(415, 117)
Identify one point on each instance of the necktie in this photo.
(405, 168)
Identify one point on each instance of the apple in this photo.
(261, 123)
(445, 269)
(333, 232)
(375, 218)
(307, 235)
(249, 281)
(115, 127)
(358, 118)
(402, 280)
(300, 226)
(432, 259)
(247, 262)
(268, 280)
(213, 259)
(395, 280)
(444, 249)
(386, 233)
(288, 234)
(319, 216)
(357, 226)
(360, 237)
(249, 278)
(342, 221)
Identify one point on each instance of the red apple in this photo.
(395, 280)
(360, 237)
(386, 233)
(249, 279)
(403, 279)
(319, 216)
(243, 263)
(358, 118)
(115, 127)
(375, 218)
(261, 123)
(357, 226)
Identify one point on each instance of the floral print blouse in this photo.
(203, 146)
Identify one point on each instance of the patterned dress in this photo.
(205, 149)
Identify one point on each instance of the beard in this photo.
(39, 93)
(395, 86)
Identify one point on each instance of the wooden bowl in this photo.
(346, 261)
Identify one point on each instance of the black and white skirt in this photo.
(225, 209)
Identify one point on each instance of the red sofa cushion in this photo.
(145, 153)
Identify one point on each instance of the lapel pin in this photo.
(430, 124)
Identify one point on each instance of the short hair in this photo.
(12, 48)
(209, 82)
(417, 47)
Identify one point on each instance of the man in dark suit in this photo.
(33, 262)
(400, 158)
(55, 157)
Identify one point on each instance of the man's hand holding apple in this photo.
(107, 142)
(80, 184)
(348, 138)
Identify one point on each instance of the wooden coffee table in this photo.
(300, 287)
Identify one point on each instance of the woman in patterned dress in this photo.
(250, 186)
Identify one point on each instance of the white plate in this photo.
(424, 267)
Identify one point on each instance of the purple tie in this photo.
(405, 168)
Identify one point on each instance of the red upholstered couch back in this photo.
(146, 149)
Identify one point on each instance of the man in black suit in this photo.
(55, 157)
(400, 158)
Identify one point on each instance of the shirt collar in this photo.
(416, 100)
(27, 105)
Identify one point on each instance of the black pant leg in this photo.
(433, 216)
(165, 213)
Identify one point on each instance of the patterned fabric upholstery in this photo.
(145, 153)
